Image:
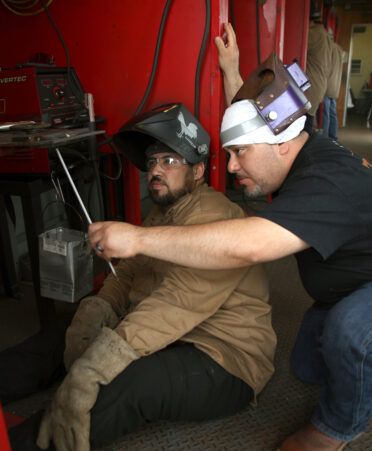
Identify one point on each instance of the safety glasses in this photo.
(167, 162)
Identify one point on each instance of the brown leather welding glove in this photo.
(67, 420)
(92, 314)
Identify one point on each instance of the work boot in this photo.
(310, 438)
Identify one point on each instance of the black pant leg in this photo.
(23, 436)
(176, 383)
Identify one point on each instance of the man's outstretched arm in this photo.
(217, 245)
(228, 55)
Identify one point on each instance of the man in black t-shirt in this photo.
(326, 200)
(321, 212)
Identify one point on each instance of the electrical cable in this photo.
(156, 57)
(69, 151)
(201, 54)
(24, 7)
(101, 202)
(258, 31)
(232, 14)
(66, 204)
(68, 63)
(16, 4)
(78, 95)
(116, 177)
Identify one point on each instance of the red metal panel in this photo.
(111, 46)
(280, 21)
(270, 25)
(296, 30)
(246, 27)
(214, 111)
(4, 441)
(18, 89)
(33, 161)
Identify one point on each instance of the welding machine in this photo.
(51, 95)
(48, 97)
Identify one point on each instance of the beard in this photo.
(254, 193)
(251, 193)
(170, 197)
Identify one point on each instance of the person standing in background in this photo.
(329, 115)
(318, 63)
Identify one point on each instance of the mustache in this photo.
(156, 178)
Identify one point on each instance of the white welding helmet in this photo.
(269, 107)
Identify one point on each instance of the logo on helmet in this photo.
(189, 131)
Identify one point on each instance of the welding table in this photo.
(29, 189)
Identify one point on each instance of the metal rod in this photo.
(81, 203)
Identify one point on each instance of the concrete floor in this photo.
(357, 136)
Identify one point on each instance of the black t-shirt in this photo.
(326, 200)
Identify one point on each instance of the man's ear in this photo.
(198, 169)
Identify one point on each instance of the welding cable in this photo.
(96, 172)
(258, 31)
(156, 57)
(232, 14)
(116, 177)
(68, 62)
(77, 153)
(18, 4)
(65, 204)
(79, 95)
(200, 59)
(69, 151)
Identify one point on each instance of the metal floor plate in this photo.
(283, 407)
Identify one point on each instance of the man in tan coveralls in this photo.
(329, 116)
(318, 63)
(164, 341)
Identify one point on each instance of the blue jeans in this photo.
(334, 349)
(329, 118)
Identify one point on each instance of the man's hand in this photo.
(228, 52)
(228, 56)
(93, 314)
(66, 422)
(111, 239)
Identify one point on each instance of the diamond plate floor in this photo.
(284, 406)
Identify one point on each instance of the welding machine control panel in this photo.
(50, 95)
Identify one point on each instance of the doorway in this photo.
(358, 104)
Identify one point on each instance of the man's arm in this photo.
(218, 245)
(228, 55)
(98, 311)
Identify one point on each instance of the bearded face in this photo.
(167, 184)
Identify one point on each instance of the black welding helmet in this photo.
(171, 124)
